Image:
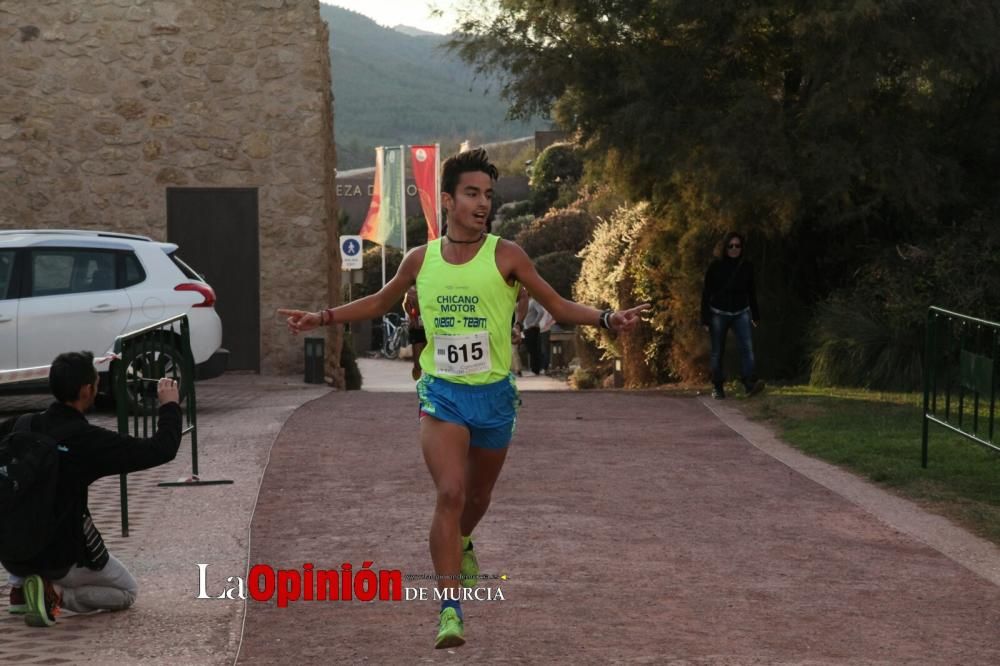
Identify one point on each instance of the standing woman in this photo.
(729, 299)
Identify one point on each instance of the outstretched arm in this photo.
(368, 307)
(562, 310)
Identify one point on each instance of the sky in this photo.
(415, 13)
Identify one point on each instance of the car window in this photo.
(6, 271)
(67, 271)
(133, 271)
(187, 270)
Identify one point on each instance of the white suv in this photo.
(78, 290)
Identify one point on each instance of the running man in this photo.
(467, 285)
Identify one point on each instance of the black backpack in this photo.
(29, 471)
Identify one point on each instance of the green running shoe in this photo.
(450, 630)
(42, 602)
(470, 567)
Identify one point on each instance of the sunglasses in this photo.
(734, 246)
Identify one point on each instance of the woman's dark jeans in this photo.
(743, 328)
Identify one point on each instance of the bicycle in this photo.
(395, 334)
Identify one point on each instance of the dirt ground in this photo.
(633, 528)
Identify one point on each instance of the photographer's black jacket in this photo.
(729, 287)
(92, 452)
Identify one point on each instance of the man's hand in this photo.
(624, 321)
(167, 391)
(300, 320)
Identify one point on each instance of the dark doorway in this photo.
(216, 230)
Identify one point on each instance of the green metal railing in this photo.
(144, 357)
(960, 377)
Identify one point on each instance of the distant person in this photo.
(729, 300)
(418, 338)
(532, 335)
(544, 343)
(468, 283)
(73, 569)
(516, 333)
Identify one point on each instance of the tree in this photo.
(560, 269)
(608, 275)
(827, 131)
(557, 170)
(561, 230)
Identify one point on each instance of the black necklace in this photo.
(452, 240)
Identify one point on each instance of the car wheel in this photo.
(145, 365)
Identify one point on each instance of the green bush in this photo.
(606, 257)
(871, 334)
(416, 231)
(608, 276)
(567, 196)
(561, 230)
(558, 167)
(585, 378)
(510, 227)
(559, 269)
(372, 258)
(513, 209)
(856, 346)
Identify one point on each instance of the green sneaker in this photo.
(470, 567)
(450, 630)
(42, 601)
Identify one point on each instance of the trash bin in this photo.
(314, 360)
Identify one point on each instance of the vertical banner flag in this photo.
(370, 229)
(426, 175)
(384, 223)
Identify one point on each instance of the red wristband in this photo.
(328, 311)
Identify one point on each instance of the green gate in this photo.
(960, 377)
(144, 357)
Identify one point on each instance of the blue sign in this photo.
(350, 252)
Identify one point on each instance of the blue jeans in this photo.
(742, 327)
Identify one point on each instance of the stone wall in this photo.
(106, 103)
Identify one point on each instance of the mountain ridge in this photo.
(413, 32)
(392, 88)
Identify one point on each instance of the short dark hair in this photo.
(470, 160)
(69, 373)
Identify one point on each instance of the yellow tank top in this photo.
(467, 310)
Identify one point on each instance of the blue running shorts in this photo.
(489, 411)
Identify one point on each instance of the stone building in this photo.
(202, 122)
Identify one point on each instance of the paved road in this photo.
(384, 376)
(632, 526)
